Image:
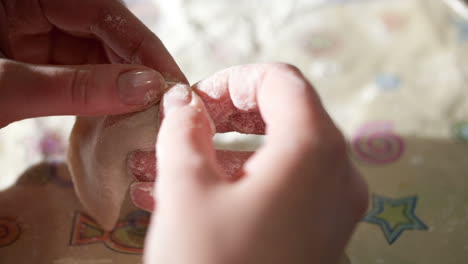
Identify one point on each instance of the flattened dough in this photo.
(97, 156)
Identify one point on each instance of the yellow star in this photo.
(395, 215)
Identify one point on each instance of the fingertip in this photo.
(185, 145)
(230, 97)
(176, 97)
(181, 96)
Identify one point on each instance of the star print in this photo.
(394, 216)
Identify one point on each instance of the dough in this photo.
(99, 146)
(97, 156)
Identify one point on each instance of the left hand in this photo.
(68, 36)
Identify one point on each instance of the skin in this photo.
(52, 51)
(273, 212)
(296, 200)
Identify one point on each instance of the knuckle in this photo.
(80, 86)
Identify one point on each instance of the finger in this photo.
(281, 98)
(26, 27)
(231, 162)
(113, 24)
(142, 164)
(70, 50)
(231, 99)
(186, 157)
(113, 57)
(300, 133)
(142, 167)
(31, 91)
(142, 195)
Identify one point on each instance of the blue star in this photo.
(394, 216)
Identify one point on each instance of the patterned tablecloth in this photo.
(391, 73)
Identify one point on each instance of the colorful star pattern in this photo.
(394, 216)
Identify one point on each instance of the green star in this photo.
(394, 216)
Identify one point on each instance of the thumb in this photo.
(186, 166)
(186, 156)
(32, 90)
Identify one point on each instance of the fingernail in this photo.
(140, 87)
(178, 96)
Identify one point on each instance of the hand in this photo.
(65, 34)
(296, 200)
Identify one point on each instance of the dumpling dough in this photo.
(97, 156)
(99, 146)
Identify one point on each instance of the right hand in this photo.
(296, 200)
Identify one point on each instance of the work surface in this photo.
(391, 73)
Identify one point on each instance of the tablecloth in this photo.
(391, 73)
